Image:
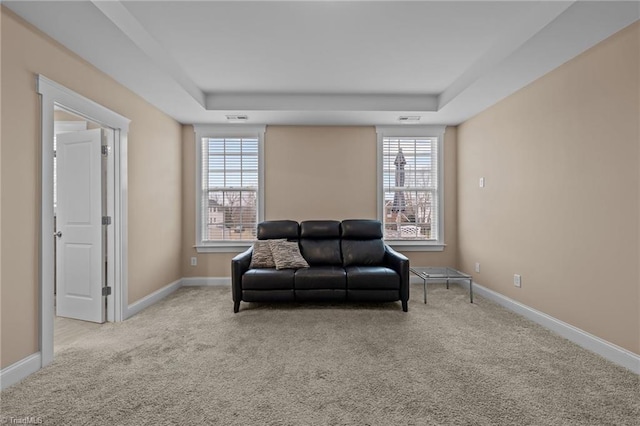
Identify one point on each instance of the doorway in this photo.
(81, 202)
(55, 97)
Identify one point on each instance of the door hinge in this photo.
(106, 220)
(106, 291)
(55, 153)
(105, 150)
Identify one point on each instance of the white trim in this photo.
(224, 247)
(152, 298)
(409, 130)
(110, 230)
(206, 281)
(80, 105)
(415, 245)
(29, 365)
(436, 131)
(20, 370)
(53, 94)
(608, 350)
(165, 291)
(121, 228)
(229, 130)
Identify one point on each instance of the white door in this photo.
(79, 230)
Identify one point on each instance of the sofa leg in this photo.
(404, 306)
(236, 307)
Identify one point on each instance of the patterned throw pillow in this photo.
(287, 255)
(261, 256)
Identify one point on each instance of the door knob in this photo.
(58, 234)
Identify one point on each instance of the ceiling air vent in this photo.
(409, 118)
(237, 118)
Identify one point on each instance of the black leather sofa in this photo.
(348, 261)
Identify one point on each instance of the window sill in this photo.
(240, 246)
(415, 245)
(224, 247)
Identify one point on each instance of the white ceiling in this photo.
(326, 62)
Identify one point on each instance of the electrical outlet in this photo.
(194, 261)
(517, 280)
(477, 266)
(481, 182)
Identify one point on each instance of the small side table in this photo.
(439, 273)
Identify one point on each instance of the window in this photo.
(410, 175)
(229, 199)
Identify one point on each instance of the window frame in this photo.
(431, 131)
(225, 131)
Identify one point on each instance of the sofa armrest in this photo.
(399, 263)
(239, 265)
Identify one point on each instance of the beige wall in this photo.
(209, 264)
(59, 115)
(448, 257)
(315, 173)
(320, 173)
(560, 206)
(155, 186)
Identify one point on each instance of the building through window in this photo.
(230, 182)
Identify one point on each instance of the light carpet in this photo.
(189, 360)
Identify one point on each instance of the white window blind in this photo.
(410, 182)
(230, 180)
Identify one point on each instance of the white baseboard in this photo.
(152, 298)
(207, 281)
(29, 365)
(158, 295)
(608, 350)
(20, 370)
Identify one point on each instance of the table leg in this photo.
(471, 289)
(424, 289)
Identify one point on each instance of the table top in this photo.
(438, 272)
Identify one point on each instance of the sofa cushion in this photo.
(268, 279)
(321, 252)
(372, 296)
(321, 295)
(261, 256)
(372, 278)
(268, 296)
(277, 229)
(320, 242)
(320, 229)
(361, 229)
(287, 255)
(320, 277)
(362, 242)
(362, 252)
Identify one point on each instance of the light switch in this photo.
(481, 182)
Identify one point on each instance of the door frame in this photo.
(52, 94)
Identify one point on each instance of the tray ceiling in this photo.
(326, 62)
